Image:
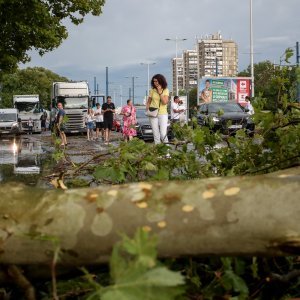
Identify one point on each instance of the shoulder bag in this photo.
(153, 111)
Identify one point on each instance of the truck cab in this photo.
(29, 107)
(75, 98)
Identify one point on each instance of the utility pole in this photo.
(132, 78)
(251, 48)
(297, 63)
(176, 40)
(106, 91)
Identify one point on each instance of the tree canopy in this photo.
(26, 82)
(37, 24)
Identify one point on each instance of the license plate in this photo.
(148, 131)
(235, 126)
(74, 131)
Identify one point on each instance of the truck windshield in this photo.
(8, 117)
(26, 106)
(76, 102)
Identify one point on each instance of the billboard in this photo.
(223, 89)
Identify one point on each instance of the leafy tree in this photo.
(271, 80)
(37, 24)
(28, 81)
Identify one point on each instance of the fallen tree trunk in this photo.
(219, 216)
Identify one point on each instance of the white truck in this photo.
(9, 122)
(29, 107)
(75, 97)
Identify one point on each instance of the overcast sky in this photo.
(133, 31)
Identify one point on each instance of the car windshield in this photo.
(76, 102)
(8, 117)
(226, 107)
(26, 106)
(140, 113)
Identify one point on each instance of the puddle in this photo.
(20, 160)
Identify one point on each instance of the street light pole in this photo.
(251, 48)
(148, 73)
(176, 40)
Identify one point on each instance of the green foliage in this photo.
(273, 81)
(37, 24)
(136, 274)
(26, 82)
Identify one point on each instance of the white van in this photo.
(9, 122)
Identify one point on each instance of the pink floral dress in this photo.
(129, 120)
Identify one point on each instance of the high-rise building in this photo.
(230, 58)
(178, 74)
(190, 69)
(217, 57)
(212, 57)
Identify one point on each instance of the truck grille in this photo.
(75, 121)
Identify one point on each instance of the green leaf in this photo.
(231, 281)
(158, 283)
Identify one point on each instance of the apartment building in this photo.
(217, 57)
(178, 74)
(213, 56)
(190, 69)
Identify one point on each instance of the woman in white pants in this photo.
(158, 98)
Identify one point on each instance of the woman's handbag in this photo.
(152, 112)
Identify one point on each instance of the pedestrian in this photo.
(43, 121)
(99, 122)
(30, 126)
(89, 120)
(129, 120)
(60, 124)
(53, 113)
(249, 107)
(159, 98)
(176, 110)
(108, 110)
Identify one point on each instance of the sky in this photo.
(131, 32)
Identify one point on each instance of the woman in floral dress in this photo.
(129, 120)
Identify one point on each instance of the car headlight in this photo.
(216, 119)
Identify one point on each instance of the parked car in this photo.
(227, 117)
(143, 127)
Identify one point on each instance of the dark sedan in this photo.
(143, 126)
(227, 117)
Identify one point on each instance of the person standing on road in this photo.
(99, 122)
(60, 125)
(89, 120)
(159, 98)
(43, 121)
(129, 120)
(108, 110)
(176, 110)
(249, 106)
(30, 126)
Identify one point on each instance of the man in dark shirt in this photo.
(60, 124)
(108, 110)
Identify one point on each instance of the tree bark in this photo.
(256, 215)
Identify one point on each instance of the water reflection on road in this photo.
(20, 160)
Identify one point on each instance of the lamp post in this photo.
(132, 78)
(251, 49)
(176, 40)
(148, 73)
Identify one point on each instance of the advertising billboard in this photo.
(223, 89)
